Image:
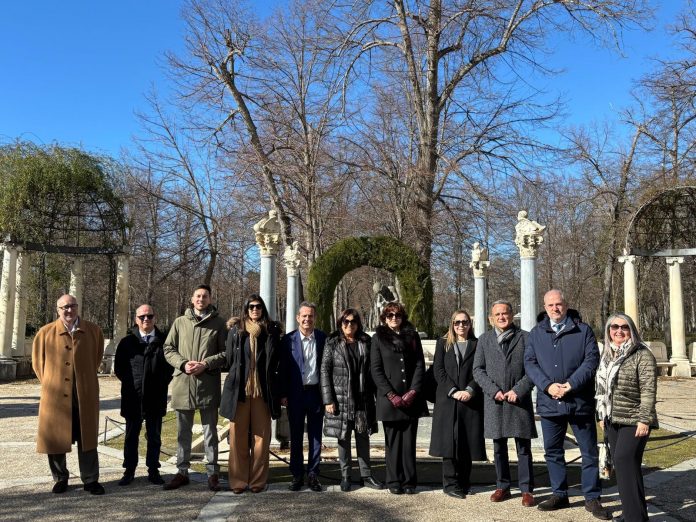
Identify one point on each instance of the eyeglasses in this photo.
(68, 307)
(255, 306)
(622, 327)
(149, 317)
(347, 322)
(393, 315)
(462, 322)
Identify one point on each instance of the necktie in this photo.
(558, 327)
(147, 339)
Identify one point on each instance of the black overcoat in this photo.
(267, 360)
(398, 365)
(144, 374)
(495, 370)
(336, 377)
(468, 416)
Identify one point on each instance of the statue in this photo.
(267, 234)
(291, 258)
(383, 294)
(529, 235)
(479, 260)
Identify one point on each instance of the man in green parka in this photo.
(195, 347)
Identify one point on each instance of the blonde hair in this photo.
(451, 336)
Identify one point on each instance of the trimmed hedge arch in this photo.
(379, 252)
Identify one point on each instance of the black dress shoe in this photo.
(95, 488)
(345, 485)
(396, 490)
(60, 487)
(127, 478)
(154, 477)
(456, 493)
(314, 483)
(553, 503)
(410, 490)
(296, 484)
(370, 482)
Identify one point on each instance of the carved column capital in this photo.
(291, 259)
(528, 235)
(267, 234)
(671, 261)
(627, 259)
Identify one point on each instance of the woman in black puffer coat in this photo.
(349, 396)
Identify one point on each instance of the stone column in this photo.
(676, 320)
(121, 316)
(291, 258)
(267, 235)
(20, 309)
(77, 280)
(8, 366)
(630, 287)
(528, 237)
(479, 265)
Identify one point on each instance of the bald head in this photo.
(145, 318)
(67, 309)
(555, 305)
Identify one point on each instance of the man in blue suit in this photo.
(301, 393)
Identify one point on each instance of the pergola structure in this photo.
(57, 201)
(664, 227)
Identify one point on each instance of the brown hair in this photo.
(395, 307)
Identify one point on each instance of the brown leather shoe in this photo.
(500, 494)
(178, 481)
(528, 500)
(214, 483)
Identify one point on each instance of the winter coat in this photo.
(635, 389)
(398, 365)
(60, 360)
(496, 370)
(570, 356)
(192, 340)
(238, 354)
(336, 387)
(144, 374)
(450, 414)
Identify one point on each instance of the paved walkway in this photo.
(25, 482)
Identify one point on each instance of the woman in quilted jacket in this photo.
(626, 388)
(349, 395)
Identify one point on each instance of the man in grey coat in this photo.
(507, 403)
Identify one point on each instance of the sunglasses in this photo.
(462, 322)
(622, 327)
(347, 322)
(393, 315)
(68, 307)
(149, 317)
(255, 306)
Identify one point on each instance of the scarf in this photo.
(253, 390)
(607, 374)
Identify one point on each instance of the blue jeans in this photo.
(585, 431)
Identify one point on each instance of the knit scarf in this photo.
(253, 389)
(607, 374)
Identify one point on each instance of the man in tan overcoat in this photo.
(66, 355)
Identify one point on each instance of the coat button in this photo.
(402, 359)
(67, 380)
(65, 395)
(403, 380)
(402, 370)
(67, 363)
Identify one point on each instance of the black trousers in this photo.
(88, 461)
(153, 428)
(400, 457)
(627, 454)
(456, 470)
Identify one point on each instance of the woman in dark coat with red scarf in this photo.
(398, 367)
(457, 431)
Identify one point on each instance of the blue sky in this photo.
(75, 71)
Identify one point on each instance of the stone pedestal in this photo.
(267, 235)
(479, 265)
(630, 289)
(77, 280)
(681, 368)
(291, 258)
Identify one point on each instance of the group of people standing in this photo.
(340, 385)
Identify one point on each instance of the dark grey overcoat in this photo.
(496, 371)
